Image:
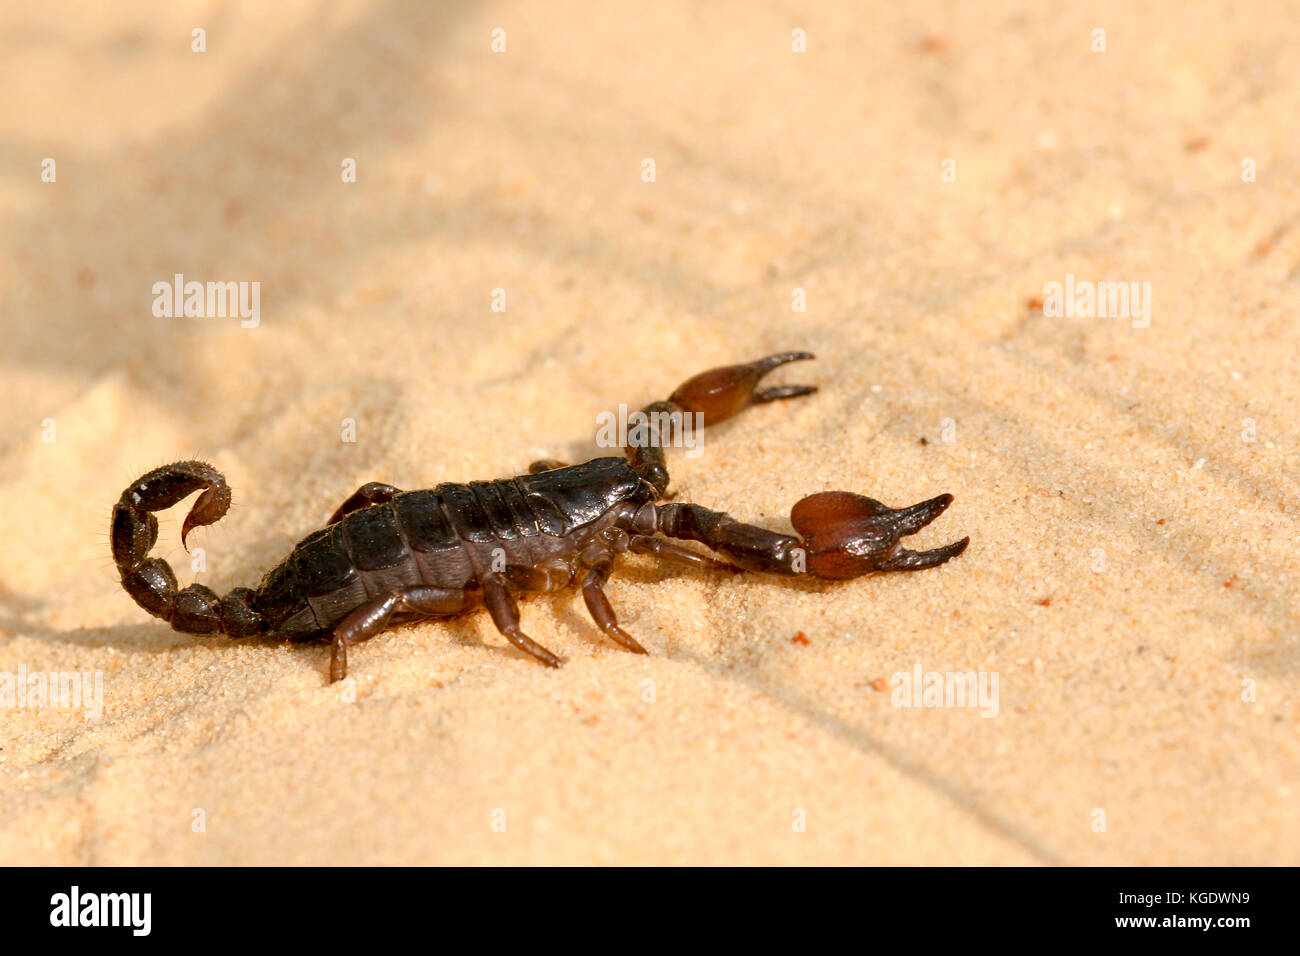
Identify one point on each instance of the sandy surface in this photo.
(1131, 493)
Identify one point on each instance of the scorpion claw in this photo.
(848, 535)
(904, 560)
(781, 391)
(912, 519)
(722, 392)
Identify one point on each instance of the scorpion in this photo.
(388, 557)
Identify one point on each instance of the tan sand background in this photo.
(1130, 493)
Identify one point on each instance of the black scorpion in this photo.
(388, 556)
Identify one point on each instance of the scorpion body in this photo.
(387, 557)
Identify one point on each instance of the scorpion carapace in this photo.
(389, 556)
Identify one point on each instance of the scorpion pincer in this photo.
(389, 556)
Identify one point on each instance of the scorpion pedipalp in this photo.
(720, 393)
(714, 396)
(849, 535)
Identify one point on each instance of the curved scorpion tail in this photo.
(151, 581)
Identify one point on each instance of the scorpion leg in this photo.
(373, 616)
(371, 493)
(843, 536)
(505, 615)
(545, 464)
(602, 612)
(714, 396)
(676, 554)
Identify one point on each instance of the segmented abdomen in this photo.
(425, 538)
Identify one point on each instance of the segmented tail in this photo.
(150, 581)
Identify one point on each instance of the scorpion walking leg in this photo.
(665, 550)
(843, 536)
(373, 616)
(545, 464)
(371, 493)
(599, 607)
(714, 396)
(505, 615)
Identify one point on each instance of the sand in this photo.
(1128, 483)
